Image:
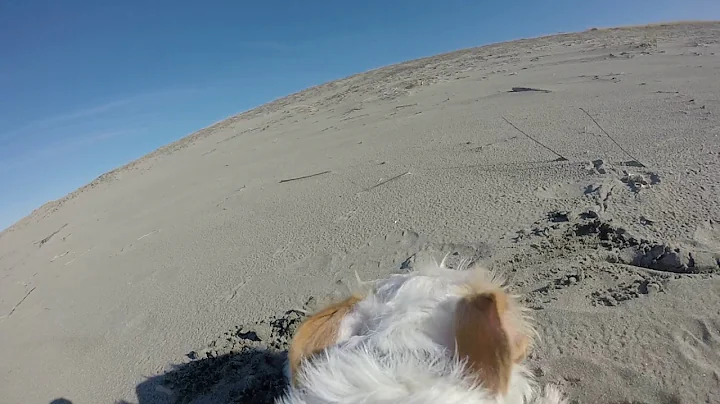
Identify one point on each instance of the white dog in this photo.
(435, 335)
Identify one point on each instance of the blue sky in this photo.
(86, 86)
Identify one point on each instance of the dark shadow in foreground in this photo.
(252, 376)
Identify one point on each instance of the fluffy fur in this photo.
(403, 343)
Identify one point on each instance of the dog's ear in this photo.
(317, 333)
(487, 340)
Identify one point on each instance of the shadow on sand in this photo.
(252, 376)
(243, 365)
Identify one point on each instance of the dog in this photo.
(433, 335)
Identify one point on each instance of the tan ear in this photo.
(516, 326)
(317, 333)
(484, 340)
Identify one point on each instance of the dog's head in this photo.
(413, 336)
(486, 325)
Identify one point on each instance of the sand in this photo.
(194, 259)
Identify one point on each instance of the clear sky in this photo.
(86, 86)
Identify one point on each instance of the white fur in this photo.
(397, 346)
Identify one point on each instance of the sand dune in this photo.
(584, 166)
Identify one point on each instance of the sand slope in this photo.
(615, 245)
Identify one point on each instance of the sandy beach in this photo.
(584, 166)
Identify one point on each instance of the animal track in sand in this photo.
(645, 253)
(600, 190)
(562, 233)
(707, 235)
(699, 343)
(625, 291)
